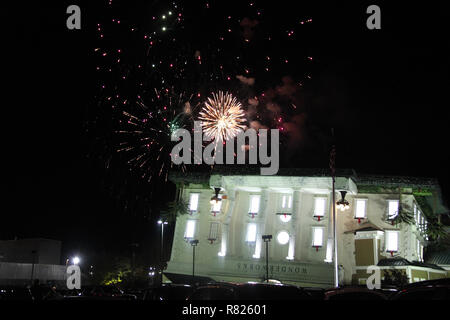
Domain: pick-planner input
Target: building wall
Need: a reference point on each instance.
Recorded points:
(23, 273)
(243, 260)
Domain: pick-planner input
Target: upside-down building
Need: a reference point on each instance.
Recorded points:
(385, 223)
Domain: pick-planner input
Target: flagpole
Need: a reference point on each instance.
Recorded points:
(336, 267)
(333, 177)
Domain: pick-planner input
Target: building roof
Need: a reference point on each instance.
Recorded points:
(366, 226)
(426, 190)
(360, 179)
(398, 262)
(439, 258)
(251, 170)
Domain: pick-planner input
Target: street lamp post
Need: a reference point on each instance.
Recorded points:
(343, 205)
(193, 243)
(267, 238)
(333, 178)
(336, 266)
(162, 223)
(133, 261)
(33, 252)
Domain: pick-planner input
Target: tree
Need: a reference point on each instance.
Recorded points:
(395, 277)
(173, 209)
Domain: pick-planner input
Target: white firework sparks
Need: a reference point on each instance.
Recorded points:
(222, 117)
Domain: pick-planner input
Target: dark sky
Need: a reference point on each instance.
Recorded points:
(384, 92)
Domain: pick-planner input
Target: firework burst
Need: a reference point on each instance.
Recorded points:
(146, 134)
(222, 117)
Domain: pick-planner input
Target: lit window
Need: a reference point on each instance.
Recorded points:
(317, 237)
(319, 207)
(286, 201)
(251, 232)
(329, 254)
(217, 205)
(419, 249)
(360, 209)
(392, 241)
(190, 229)
(415, 213)
(213, 231)
(193, 202)
(283, 237)
(419, 214)
(392, 209)
(254, 204)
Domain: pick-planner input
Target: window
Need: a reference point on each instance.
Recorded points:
(213, 231)
(329, 254)
(254, 205)
(286, 201)
(319, 207)
(415, 213)
(421, 223)
(317, 237)
(190, 229)
(193, 202)
(285, 207)
(419, 249)
(283, 237)
(360, 209)
(392, 209)
(217, 205)
(391, 241)
(251, 232)
(419, 216)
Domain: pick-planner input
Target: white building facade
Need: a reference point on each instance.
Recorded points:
(297, 211)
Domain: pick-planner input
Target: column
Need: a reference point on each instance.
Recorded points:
(226, 222)
(261, 220)
(330, 240)
(294, 219)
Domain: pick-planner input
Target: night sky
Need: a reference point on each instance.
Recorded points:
(385, 93)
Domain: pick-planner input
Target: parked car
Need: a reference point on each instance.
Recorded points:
(70, 293)
(249, 291)
(103, 293)
(316, 293)
(169, 292)
(353, 293)
(9, 293)
(438, 289)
